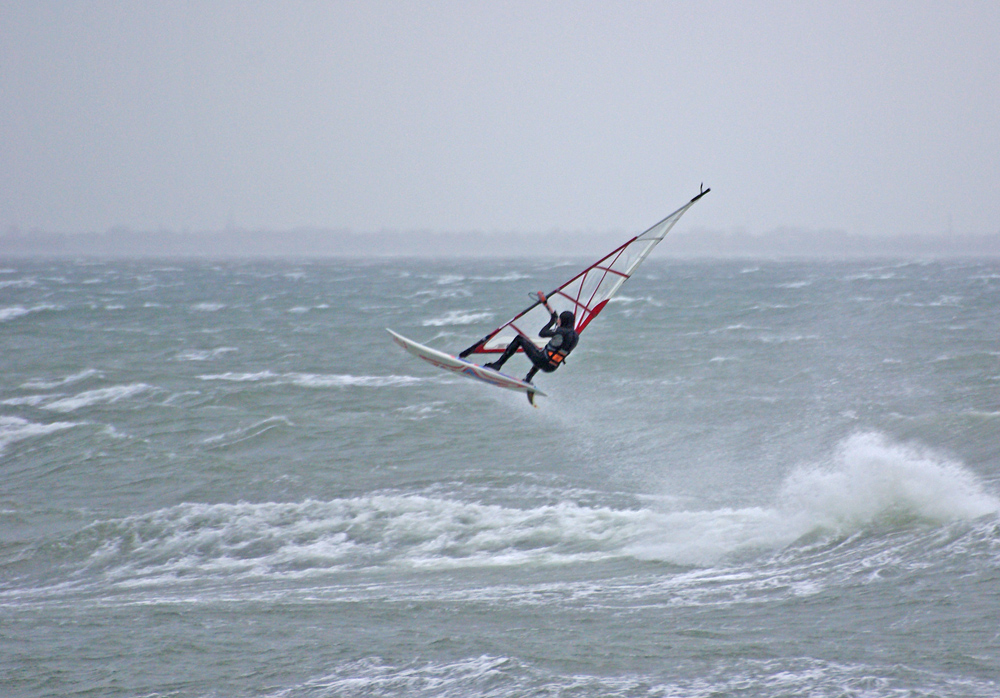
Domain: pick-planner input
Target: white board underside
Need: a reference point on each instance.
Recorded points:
(462, 367)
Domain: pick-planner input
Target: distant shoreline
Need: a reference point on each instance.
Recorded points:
(309, 243)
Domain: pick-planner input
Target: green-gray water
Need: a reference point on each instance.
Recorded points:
(753, 479)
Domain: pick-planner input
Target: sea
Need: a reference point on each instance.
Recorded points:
(221, 478)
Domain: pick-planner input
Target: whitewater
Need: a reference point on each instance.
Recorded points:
(752, 478)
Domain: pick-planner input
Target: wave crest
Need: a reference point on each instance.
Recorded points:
(872, 480)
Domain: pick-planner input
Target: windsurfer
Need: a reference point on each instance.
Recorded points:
(563, 339)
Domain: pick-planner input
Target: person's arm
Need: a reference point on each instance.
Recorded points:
(547, 331)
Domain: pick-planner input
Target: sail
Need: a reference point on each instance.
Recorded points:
(585, 294)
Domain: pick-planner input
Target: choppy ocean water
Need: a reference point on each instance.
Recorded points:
(751, 478)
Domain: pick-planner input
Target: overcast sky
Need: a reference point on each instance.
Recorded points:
(867, 117)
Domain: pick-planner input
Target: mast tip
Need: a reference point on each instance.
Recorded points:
(701, 193)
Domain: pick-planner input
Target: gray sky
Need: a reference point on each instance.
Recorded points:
(867, 117)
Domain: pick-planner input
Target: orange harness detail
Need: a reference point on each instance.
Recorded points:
(556, 357)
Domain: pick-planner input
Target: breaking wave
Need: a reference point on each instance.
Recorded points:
(41, 384)
(94, 397)
(870, 484)
(13, 312)
(62, 403)
(871, 479)
(13, 429)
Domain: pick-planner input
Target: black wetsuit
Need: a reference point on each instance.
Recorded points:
(563, 341)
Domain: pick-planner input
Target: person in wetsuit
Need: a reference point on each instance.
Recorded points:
(563, 341)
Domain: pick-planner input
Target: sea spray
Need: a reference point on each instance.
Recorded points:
(871, 480)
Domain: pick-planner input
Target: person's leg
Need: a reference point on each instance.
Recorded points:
(539, 361)
(508, 352)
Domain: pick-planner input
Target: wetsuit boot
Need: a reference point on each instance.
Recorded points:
(508, 352)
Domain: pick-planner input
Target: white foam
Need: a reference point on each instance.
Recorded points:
(509, 276)
(371, 677)
(458, 317)
(423, 411)
(312, 380)
(15, 311)
(244, 433)
(787, 339)
(869, 482)
(702, 538)
(203, 354)
(198, 541)
(240, 377)
(29, 400)
(871, 479)
(40, 384)
(489, 675)
(13, 429)
(453, 292)
(208, 307)
(417, 532)
(99, 396)
(628, 300)
(19, 283)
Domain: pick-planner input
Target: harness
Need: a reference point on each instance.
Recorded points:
(556, 356)
(557, 350)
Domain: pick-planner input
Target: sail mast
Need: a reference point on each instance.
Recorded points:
(585, 294)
